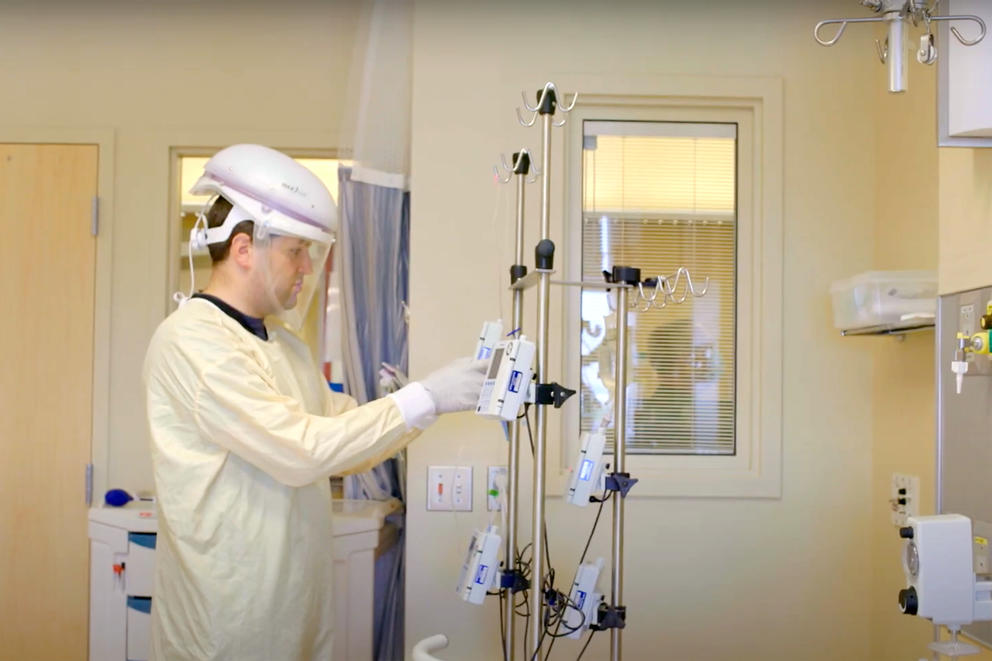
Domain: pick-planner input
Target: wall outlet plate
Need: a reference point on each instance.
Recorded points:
(981, 555)
(904, 498)
(440, 483)
(495, 473)
(461, 489)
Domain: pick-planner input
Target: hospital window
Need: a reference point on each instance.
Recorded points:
(657, 196)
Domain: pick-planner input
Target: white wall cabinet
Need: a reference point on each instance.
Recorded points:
(122, 571)
(964, 81)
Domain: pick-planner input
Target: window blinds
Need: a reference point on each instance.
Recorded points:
(657, 196)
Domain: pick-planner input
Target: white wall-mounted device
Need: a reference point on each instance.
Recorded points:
(507, 381)
(939, 566)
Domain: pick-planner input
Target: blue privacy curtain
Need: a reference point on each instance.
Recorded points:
(374, 236)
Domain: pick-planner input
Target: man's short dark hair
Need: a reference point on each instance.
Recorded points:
(215, 218)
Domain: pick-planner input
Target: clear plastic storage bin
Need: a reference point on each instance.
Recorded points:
(879, 298)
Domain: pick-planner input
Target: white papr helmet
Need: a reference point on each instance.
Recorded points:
(282, 198)
(271, 189)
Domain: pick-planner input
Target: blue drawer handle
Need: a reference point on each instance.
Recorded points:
(146, 539)
(140, 604)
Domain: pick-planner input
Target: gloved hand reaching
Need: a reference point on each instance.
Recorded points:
(456, 386)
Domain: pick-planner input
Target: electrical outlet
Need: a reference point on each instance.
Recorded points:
(904, 498)
(494, 489)
(440, 482)
(981, 555)
(461, 489)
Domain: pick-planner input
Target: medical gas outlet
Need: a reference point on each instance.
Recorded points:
(976, 343)
(971, 343)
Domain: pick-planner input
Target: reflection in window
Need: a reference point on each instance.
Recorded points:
(659, 195)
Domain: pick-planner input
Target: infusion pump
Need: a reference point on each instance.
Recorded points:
(510, 371)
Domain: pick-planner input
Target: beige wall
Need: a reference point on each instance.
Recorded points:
(904, 399)
(965, 204)
(705, 579)
(155, 76)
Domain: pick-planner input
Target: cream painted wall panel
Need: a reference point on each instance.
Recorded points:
(744, 579)
(252, 64)
(161, 75)
(965, 177)
(904, 394)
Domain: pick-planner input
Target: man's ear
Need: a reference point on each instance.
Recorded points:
(241, 250)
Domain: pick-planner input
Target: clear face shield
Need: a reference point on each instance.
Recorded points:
(289, 265)
(294, 217)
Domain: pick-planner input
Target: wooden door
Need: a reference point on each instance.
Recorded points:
(47, 256)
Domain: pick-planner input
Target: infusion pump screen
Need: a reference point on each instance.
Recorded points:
(494, 365)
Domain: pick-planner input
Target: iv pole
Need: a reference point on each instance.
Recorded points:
(664, 291)
(521, 166)
(619, 461)
(544, 256)
(544, 253)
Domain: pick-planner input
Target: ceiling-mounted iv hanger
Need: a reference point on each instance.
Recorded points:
(898, 14)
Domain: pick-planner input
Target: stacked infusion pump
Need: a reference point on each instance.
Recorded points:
(507, 387)
(504, 392)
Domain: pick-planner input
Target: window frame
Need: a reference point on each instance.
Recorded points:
(755, 105)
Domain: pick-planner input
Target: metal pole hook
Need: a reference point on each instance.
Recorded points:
(499, 176)
(837, 35)
(540, 99)
(843, 24)
(568, 108)
(883, 51)
(957, 34)
(523, 122)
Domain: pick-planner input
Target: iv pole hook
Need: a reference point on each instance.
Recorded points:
(843, 24)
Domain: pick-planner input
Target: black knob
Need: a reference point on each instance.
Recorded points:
(521, 162)
(626, 274)
(908, 603)
(906, 532)
(544, 255)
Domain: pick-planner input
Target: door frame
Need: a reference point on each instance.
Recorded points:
(167, 142)
(105, 141)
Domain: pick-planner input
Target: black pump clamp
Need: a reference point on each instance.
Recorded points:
(551, 393)
(609, 617)
(621, 482)
(513, 580)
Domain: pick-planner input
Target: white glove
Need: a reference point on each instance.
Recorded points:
(456, 386)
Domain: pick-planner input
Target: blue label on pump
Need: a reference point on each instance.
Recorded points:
(580, 598)
(480, 576)
(515, 381)
(485, 352)
(585, 471)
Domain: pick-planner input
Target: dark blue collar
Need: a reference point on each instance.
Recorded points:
(253, 325)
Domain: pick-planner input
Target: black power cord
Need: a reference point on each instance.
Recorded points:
(557, 601)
